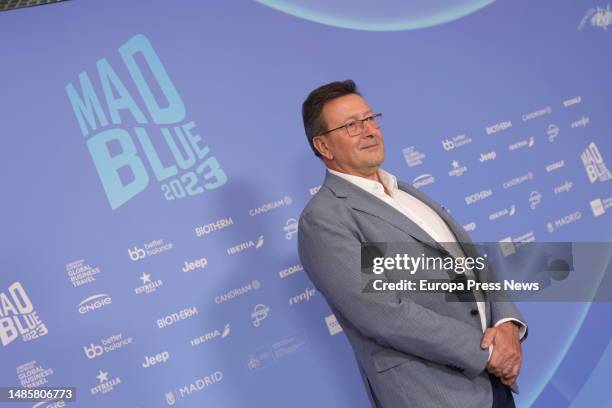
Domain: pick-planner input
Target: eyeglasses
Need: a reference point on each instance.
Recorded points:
(356, 127)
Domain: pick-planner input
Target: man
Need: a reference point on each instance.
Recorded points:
(410, 353)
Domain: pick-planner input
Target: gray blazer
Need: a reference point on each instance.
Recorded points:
(411, 352)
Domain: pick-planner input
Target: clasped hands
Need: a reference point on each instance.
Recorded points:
(505, 361)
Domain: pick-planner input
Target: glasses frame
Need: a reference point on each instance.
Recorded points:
(376, 117)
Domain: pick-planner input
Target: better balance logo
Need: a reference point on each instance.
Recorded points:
(18, 316)
(106, 345)
(119, 131)
(154, 247)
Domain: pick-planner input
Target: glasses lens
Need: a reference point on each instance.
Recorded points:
(377, 119)
(354, 128)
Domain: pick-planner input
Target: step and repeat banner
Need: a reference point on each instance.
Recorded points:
(154, 167)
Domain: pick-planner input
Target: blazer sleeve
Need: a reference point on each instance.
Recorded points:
(331, 255)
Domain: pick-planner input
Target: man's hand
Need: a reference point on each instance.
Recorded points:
(505, 361)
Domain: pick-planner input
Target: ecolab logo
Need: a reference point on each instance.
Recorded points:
(94, 302)
(211, 335)
(481, 195)
(302, 297)
(290, 271)
(314, 190)
(572, 101)
(498, 127)
(555, 166)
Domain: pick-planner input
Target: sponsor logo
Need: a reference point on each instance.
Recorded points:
(582, 122)
(502, 213)
(119, 131)
(457, 170)
(481, 195)
(518, 180)
(314, 190)
(332, 325)
(156, 359)
(599, 206)
(563, 221)
(32, 374)
(552, 132)
(276, 351)
(302, 297)
(412, 156)
(594, 164)
(522, 143)
(81, 273)
(176, 317)
(147, 286)
(259, 313)
(290, 270)
(211, 335)
(455, 142)
(94, 302)
(509, 245)
(254, 285)
(563, 188)
(423, 180)
(105, 384)
(535, 198)
(18, 316)
(470, 226)
(597, 17)
(106, 345)
(537, 113)
(214, 226)
(195, 264)
(154, 247)
(264, 208)
(498, 127)
(487, 156)
(50, 404)
(572, 101)
(196, 385)
(246, 245)
(555, 166)
(290, 228)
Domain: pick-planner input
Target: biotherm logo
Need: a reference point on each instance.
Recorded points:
(136, 144)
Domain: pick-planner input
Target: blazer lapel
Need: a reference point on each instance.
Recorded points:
(363, 201)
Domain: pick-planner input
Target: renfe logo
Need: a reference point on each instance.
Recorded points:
(126, 157)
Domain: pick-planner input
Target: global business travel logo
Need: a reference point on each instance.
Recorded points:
(130, 144)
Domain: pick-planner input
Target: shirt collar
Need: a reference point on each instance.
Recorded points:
(389, 181)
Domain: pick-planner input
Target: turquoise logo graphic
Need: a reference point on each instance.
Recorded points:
(132, 145)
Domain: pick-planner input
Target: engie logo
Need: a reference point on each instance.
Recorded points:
(129, 145)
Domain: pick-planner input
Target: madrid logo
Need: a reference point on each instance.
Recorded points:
(132, 143)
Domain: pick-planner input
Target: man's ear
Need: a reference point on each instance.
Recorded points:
(320, 143)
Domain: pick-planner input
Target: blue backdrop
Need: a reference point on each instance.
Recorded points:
(154, 165)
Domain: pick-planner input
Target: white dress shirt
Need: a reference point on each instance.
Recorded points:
(426, 218)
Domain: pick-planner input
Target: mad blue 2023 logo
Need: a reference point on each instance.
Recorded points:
(129, 145)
